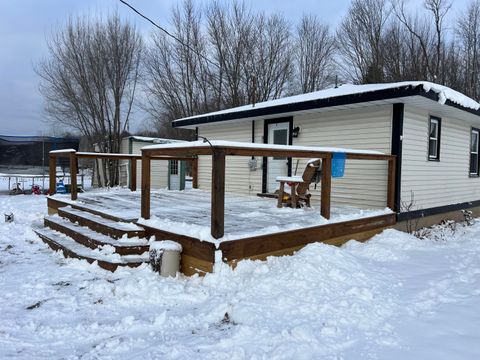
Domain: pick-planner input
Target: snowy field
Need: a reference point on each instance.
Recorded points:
(395, 297)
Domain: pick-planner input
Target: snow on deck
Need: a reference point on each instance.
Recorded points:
(188, 212)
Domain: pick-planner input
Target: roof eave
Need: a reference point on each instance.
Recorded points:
(320, 103)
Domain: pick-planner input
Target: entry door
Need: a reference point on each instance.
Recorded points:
(174, 175)
(278, 133)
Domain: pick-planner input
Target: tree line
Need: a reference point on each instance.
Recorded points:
(226, 55)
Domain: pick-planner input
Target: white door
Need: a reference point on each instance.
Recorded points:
(278, 133)
(174, 174)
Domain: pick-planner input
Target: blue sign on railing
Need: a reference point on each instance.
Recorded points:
(338, 164)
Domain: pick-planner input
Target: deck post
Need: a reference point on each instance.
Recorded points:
(73, 176)
(218, 194)
(391, 184)
(326, 187)
(145, 197)
(133, 174)
(195, 172)
(52, 175)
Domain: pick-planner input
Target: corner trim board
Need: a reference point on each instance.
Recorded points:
(397, 135)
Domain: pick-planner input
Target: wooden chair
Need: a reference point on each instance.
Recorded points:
(299, 186)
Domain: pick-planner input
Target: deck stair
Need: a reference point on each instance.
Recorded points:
(84, 235)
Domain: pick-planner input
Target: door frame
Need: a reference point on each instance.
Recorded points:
(181, 174)
(267, 122)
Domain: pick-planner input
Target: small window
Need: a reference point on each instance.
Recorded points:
(280, 137)
(434, 138)
(474, 152)
(173, 167)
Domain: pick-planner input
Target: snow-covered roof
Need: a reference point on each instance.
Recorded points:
(444, 94)
(244, 145)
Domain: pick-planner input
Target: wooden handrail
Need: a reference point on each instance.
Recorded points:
(219, 154)
(258, 151)
(72, 154)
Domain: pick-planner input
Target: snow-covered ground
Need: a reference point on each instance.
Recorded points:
(394, 297)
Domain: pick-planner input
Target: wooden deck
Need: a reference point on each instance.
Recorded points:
(254, 227)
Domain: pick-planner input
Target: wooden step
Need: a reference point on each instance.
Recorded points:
(72, 249)
(114, 229)
(93, 239)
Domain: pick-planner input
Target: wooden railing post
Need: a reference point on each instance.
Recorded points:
(391, 185)
(195, 172)
(326, 187)
(218, 194)
(145, 198)
(133, 174)
(52, 175)
(73, 176)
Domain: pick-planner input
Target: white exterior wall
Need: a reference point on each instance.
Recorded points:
(436, 183)
(159, 168)
(365, 182)
(238, 178)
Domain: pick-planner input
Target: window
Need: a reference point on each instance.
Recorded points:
(280, 137)
(434, 138)
(474, 152)
(173, 167)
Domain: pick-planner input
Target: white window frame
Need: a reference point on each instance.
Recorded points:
(476, 131)
(174, 167)
(435, 138)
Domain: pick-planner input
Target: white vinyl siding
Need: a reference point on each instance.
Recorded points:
(159, 168)
(238, 177)
(365, 182)
(436, 183)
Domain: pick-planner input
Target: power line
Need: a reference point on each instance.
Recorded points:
(168, 33)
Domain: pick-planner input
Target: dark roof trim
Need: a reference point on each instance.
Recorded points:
(321, 103)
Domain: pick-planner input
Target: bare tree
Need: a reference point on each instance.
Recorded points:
(230, 32)
(403, 57)
(224, 57)
(360, 37)
(314, 50)
(178, 74)
(267, 64)
(89, 81)
(432, 43)
(468, 36)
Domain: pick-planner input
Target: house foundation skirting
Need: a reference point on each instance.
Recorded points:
(432, 216)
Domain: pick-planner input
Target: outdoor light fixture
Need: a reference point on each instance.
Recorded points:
(295, 131)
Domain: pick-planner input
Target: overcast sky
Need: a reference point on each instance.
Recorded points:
(25, 24)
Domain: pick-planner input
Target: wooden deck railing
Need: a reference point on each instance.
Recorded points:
(73, 155)
(219, 154)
